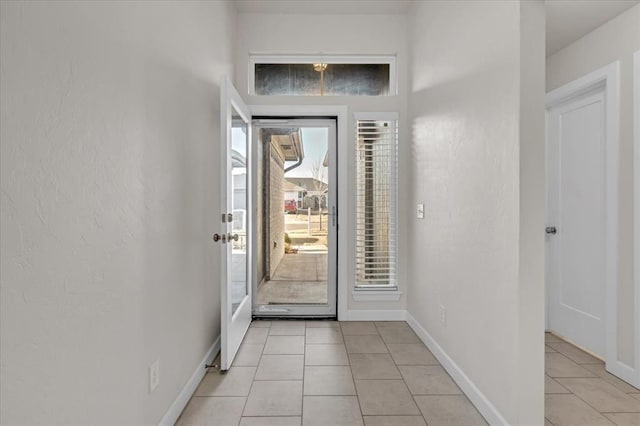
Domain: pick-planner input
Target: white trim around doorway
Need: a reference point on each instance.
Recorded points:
(341, 112)
(609, 78)
(636, 209)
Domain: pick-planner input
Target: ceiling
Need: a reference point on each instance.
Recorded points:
(567, 20)
(326, 7)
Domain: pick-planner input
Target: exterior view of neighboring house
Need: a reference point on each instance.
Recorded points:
(294, 192)
(312, 192)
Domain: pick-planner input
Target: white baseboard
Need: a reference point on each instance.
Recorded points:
(484, 406)
(181, 401)
(624, 372)
(375, 315)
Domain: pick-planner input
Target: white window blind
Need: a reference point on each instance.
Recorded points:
(376, 187)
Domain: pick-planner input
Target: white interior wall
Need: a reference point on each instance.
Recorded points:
(616, 40)
(120, 185)
(336, 34)
(531, 288)
(109, 130)
(469, 111)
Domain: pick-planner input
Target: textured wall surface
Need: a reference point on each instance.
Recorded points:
(616, 40)
(465, 166)
(109, 132)
(531, 262)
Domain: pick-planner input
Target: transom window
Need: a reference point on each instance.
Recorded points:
(322, 76)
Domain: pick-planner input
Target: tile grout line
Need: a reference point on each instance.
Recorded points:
(577, 396)
(597, 361)
(586, 402)
(353, 377)
(403, 381)
(598, 377)
(253, 380)
(572, 377)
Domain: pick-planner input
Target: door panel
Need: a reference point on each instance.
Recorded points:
(576, 206)
(297, 216)
(234, 236)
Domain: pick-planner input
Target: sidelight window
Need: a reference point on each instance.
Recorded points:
(376, 192)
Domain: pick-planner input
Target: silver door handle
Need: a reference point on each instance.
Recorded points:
(233, 237)
(551, 230)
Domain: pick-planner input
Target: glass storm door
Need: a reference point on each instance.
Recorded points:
(295, 217)
(236, 204)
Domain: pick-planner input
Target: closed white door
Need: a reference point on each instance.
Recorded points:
(576, 220)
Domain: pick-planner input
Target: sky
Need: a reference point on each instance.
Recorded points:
(314, 143)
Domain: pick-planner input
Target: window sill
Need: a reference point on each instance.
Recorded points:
(365, 295)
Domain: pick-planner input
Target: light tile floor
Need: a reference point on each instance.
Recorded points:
(366, 373)
(578, 390)
(331, 373)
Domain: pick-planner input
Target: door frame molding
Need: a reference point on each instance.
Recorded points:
(636, 209)
(341, 112)
(609, 78)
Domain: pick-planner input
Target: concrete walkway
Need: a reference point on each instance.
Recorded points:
(300, 278)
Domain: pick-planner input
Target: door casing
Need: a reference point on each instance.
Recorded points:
(608, 77)
(341, 114)
(300, 310)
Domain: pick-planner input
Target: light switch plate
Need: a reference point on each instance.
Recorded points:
(420, 211)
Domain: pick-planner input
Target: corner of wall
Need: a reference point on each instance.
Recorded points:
(455, 111)
(531, 281)
(491, 414)
(173, 413)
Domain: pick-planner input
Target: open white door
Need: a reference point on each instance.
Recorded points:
(236, 202)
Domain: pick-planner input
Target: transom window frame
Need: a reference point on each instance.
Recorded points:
(325, 59)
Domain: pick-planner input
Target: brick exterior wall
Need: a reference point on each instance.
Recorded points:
(276, 209)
